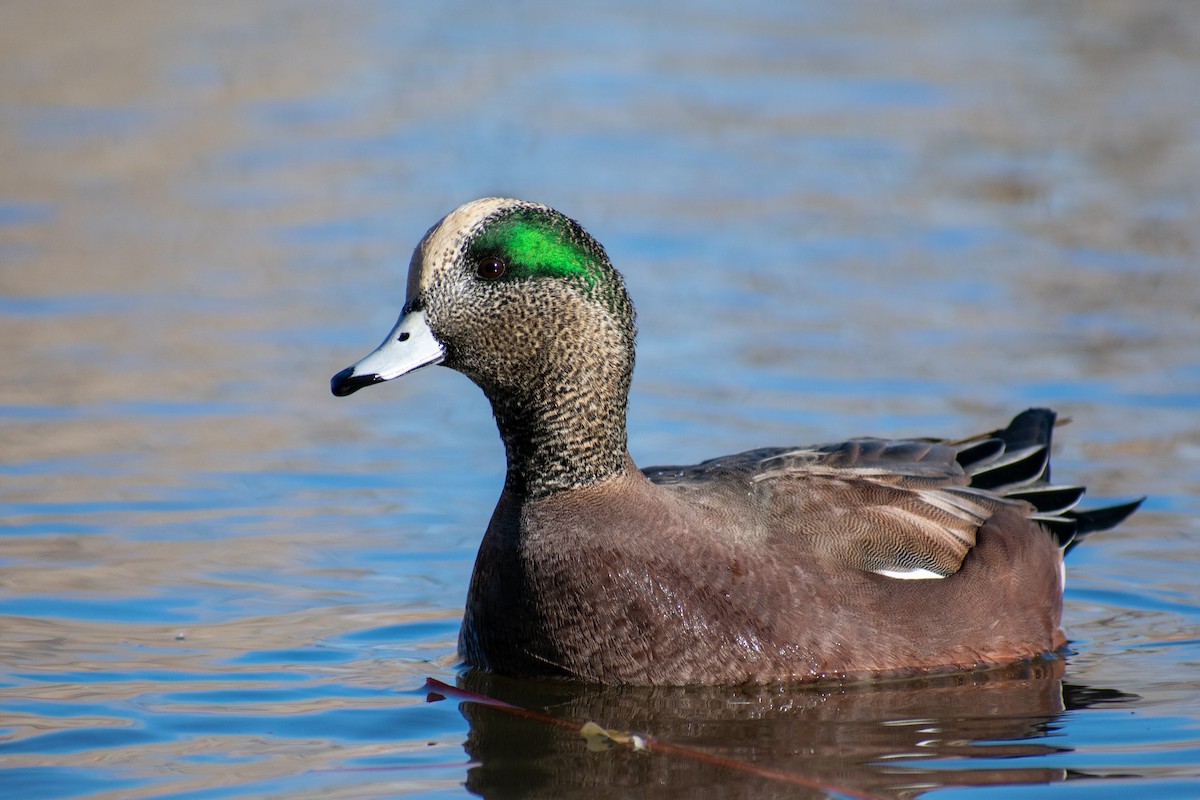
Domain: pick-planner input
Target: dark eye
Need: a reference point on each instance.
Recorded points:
(490, 268)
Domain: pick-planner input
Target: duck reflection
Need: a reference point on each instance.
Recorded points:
(894, 739)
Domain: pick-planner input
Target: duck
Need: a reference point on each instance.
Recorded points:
(865, 559)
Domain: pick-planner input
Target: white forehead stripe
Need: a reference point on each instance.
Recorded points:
(445, 242)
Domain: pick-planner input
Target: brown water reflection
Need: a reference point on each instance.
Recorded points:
(854, 738)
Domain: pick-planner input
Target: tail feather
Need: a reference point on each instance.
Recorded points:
(1016, 469)
(978, 453)
(1053, 500)
(1101, 519)
(1015, 462)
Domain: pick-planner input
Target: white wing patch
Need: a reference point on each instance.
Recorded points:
(909, 574)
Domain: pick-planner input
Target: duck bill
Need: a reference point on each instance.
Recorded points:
(410, 346)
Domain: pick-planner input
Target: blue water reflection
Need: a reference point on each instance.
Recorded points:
(836, 219)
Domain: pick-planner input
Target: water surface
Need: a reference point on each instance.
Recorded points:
(216, 580)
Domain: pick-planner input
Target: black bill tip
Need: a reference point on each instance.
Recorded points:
(346, 382)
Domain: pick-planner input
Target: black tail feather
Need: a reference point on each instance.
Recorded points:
(1018, 468)
(1061, 528)
(1100, 519)
(1053, 500)
(1015, 462)
(976, 454)
(1029, 428)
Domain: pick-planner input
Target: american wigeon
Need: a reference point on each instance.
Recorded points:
(859, 558)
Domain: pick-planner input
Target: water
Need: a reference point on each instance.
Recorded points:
(217, 581)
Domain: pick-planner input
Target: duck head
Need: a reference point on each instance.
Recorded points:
(526, 304)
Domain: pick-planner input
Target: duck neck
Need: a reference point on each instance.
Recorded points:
(564, 432)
